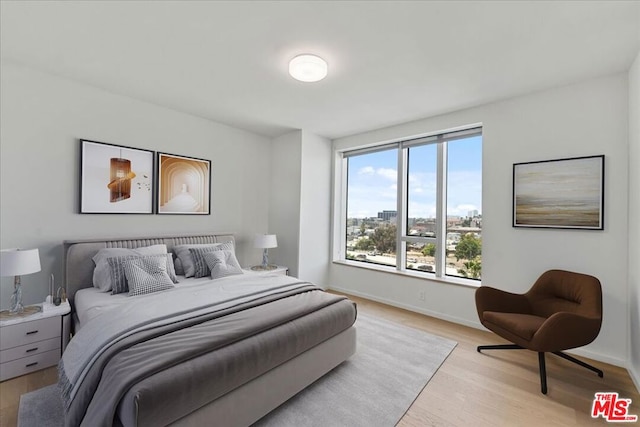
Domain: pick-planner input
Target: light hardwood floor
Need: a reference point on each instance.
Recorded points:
(496, 388)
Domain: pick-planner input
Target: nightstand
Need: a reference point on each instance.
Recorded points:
(279, 270)
(33, 342)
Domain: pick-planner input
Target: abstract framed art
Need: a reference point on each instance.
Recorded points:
(563, 193)
(184, 185)
(115, 179)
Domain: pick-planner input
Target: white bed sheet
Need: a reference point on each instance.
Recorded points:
(90, 302)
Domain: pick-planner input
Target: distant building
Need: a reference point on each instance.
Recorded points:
(453, 221)
(387, 215)
(473, 213)
(422, 227)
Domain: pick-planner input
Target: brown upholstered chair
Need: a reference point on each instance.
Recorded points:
(562, 310)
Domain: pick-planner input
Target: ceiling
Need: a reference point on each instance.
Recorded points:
(389, 62)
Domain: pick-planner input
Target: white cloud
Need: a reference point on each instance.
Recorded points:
(387, 173)
(374, 189)
(367, 170)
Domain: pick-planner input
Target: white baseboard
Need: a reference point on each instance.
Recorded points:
(437, 315)
(598, 356)
(635, 377)
(477, 325)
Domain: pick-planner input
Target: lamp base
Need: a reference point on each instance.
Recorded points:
(26, 311)
(264, 268)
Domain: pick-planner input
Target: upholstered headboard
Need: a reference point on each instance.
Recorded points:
(78, 254)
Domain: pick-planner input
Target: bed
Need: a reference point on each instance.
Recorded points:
(225, 351)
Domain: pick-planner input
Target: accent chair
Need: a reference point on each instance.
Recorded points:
(562, 310)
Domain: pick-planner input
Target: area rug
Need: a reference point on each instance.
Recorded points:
(375, 387)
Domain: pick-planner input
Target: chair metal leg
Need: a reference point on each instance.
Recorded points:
(499, 347)
(542, 362)
(579, 362)
(543, 373)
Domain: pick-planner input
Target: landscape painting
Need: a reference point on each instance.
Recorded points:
(564, 193)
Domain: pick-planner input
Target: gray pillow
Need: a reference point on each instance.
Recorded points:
(118, 275)
(222, 264)
(201, 269)
(146, 275)
(186, 260)
(102, 272)
(178, 265)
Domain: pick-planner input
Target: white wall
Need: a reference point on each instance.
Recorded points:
(284, 206)
(589, 118)
(634, 221)
(300, 211)
(42, 118)
(315, 209)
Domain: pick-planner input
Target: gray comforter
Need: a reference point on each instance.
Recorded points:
(143, 338)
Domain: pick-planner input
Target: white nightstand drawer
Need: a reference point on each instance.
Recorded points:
(29, 364)
(29, 332)
(29, 349)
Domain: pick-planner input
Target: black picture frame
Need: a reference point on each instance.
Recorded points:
(562, 193)
(115, 179)
(183, 185)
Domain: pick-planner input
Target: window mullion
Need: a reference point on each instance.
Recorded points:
(441, 210)
(401, 216)
(344, 200)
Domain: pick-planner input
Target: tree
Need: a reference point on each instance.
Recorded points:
(468, 247)
(429, 249)
(362, 228)
(472, 268)
(384, 238)
(364, 244)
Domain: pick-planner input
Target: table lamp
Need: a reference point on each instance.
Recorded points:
(16, 262)
(265, 241)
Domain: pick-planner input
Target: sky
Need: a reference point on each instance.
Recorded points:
(372, 181)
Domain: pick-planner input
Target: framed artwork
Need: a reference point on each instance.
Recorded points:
(115, 179)
(563, 193)
(184, 185)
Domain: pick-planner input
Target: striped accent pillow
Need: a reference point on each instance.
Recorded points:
(147, 275)
(119, 278)
(201, 267)
(184, 257)
(102, 272)
(222, 264)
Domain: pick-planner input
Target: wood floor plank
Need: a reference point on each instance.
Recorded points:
(493, 388)
(502, 388)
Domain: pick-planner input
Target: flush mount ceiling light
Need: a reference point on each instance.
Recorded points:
(308, 68)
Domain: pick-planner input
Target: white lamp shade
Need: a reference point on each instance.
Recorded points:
(15, 262)
(308, 68)
(265, 241)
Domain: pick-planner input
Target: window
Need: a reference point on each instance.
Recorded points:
(372, 196)
(415, 205)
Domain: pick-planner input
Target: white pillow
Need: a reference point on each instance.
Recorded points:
(102, 272)
(222, 264)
